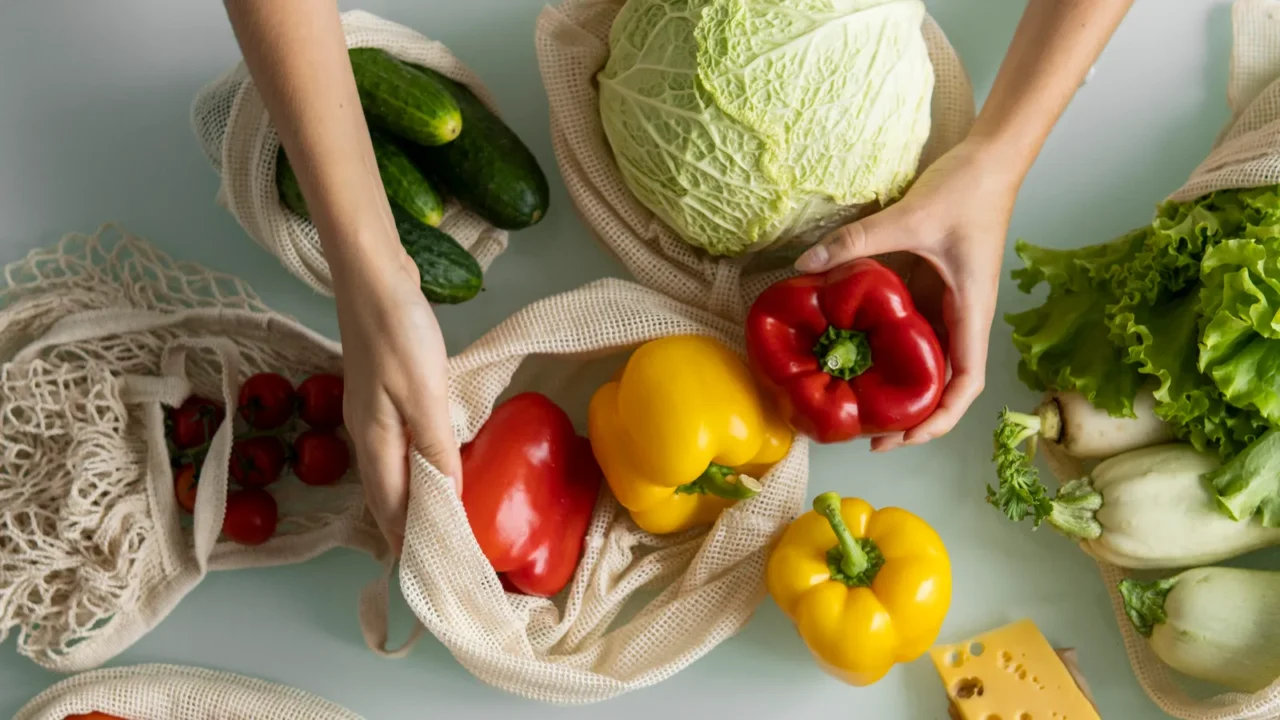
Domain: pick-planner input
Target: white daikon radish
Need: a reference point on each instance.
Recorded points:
(1084, 431)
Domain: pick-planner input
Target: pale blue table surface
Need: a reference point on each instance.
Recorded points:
(94, 102)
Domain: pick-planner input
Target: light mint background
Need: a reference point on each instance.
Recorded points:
(94, 127)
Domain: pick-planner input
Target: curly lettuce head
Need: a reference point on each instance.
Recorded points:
(742, 123)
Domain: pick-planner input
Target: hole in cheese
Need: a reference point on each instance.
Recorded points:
(968, 687)
(976, 649)
(954, 659)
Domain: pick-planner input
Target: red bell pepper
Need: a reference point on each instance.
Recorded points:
(530, 484)
(846, 353)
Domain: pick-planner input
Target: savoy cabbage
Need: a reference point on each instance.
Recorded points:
(742, 123)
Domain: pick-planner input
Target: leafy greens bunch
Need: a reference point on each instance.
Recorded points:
(1188, 306)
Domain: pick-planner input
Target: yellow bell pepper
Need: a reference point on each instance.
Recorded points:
(866, 588)
(683, 432)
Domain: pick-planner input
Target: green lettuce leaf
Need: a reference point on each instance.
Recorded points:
(1241, 306)
(1064, 343)
(1249, 484)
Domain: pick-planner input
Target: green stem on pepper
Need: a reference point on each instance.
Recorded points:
(853, 561)
(724, 482)
(844, 354)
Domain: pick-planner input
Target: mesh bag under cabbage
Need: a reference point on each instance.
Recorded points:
(237, 137)
(169, 692)
(640, 607)
(97, 337)
(1247, 154)
(573, 46)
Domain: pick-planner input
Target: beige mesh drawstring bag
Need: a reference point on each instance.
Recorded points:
(641, 607)
(573, 46)
(1247, 154)
(169, 692)
(237, 137)
(98, 336)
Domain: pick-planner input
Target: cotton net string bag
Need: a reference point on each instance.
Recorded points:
(640, 607)
(236, 135)
(170, 692)
(99, 336)
(573, 47)
(1246, 154)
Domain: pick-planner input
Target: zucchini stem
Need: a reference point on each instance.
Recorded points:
(1074, 510)
(1144, 602)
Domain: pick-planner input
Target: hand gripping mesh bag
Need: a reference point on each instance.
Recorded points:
(640, 607)
(236, 135)
(573, 46)
(1246, 154)
(99, 336)
(168, 692)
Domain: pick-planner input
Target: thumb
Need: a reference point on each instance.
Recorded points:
(878, 234)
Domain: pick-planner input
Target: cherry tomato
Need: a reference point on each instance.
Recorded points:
(320, 458)
(257, 461)
(184, 487)
(266, 400)
(93, 716)
(251, 516)
(320, 401)
(195, 421)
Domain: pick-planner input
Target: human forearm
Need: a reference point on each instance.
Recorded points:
(297, 56)
(1056, 43)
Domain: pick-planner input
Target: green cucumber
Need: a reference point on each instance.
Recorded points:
(405, 184)
(486, 168)
(406, 103)
(449, 273)
(401, 180)
(288, 187)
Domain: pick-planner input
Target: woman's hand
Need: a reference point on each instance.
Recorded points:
(397, 384)
(397, 387)
(954, 219)
(956, 215)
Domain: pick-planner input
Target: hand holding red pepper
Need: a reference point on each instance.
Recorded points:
(846, 353)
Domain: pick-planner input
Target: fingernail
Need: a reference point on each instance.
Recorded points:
(814, 259)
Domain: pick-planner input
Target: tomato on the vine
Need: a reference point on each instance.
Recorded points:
(251, 516)
(257, 461)
(267, 400)
(320, 401)
(184, 487)
(195, 421)
(320, 458)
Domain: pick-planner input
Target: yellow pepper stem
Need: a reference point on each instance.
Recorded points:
(853, 561)
(724, 482)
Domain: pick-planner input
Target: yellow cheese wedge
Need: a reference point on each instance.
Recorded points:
(1011, 673)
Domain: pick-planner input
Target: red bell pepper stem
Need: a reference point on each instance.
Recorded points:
(724, 482)
(845, 354)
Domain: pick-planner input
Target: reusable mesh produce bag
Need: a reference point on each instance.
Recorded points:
(237, 137)
(1247, 154)
(169, 692)
(97, 337)
(573, 46)
(689, 591)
